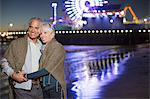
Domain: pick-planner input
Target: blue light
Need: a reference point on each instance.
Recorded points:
(88, 85)
(82, 7)
(111, 20)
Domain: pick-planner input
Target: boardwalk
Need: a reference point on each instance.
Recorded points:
(103, 72)
(134, 82)
(124, 78)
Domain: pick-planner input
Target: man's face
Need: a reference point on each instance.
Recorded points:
(34, 29)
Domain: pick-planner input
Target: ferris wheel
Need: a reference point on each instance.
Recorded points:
(76, 8)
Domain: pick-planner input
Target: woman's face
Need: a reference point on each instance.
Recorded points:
(46, 35)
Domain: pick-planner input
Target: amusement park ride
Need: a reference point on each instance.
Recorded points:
(135, 18)
(77, 9)
(107, 23)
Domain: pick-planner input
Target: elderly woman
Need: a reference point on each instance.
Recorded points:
(53, 55)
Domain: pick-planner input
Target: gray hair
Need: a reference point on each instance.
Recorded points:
(48, 27)
(34, 18)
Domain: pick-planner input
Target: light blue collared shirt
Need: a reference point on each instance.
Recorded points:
(31, 64)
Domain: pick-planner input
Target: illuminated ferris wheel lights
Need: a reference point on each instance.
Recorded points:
(72, 0)
(69, 9)
(75, 8)
(109, 13)
(73, 18)
(101, 5)
(67, 5)
(69, 12)
(71, 15)
(66, 2)
(76, 20)
(73, 3)
(105, 2)
(75, 11)
(77, 17)
(78, 14)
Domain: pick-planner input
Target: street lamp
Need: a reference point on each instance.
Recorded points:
(10, 26)
(54, 5)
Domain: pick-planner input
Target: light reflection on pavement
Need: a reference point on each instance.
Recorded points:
(87, 70)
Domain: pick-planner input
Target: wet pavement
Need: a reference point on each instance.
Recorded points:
(102, 72)
(134, 81)
(117, 73)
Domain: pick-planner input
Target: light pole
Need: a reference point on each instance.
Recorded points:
(54, 5)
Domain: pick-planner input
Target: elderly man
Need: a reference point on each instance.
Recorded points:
(21, 57)
(53, 55)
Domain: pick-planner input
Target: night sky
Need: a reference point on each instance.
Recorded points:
(19, 12)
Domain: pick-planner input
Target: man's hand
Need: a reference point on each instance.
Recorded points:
(19, 76)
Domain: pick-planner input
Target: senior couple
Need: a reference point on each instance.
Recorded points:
(36, 50)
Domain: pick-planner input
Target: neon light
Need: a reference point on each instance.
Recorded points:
(81, 7)
(54, 5)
